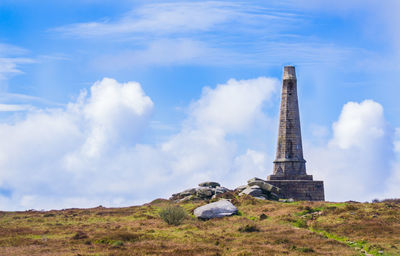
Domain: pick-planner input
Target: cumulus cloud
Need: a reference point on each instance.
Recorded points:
(231, 107)
(359, 124)
(88, 153)
(114, 113)
(357, 162)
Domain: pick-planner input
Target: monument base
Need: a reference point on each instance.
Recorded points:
(301, 190)
(289, 177)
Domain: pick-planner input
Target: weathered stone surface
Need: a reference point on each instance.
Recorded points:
(307, 190)
(204, 192)
(210, 184)
(255, 191)
(200, 193)
(185, 199)
(218, 209)
(289, 172)
(254, 179)
(221, 190)
(241, 188)
(188, 192)
(289, 154)
(263, 185)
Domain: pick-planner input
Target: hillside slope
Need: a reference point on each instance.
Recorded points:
(298, 228)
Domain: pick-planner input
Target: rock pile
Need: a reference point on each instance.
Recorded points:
(219, 209)
(260, 189)
(205, 191)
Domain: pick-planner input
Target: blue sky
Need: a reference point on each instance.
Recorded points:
(203, 77)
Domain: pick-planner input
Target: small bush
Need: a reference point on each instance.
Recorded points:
(350, 207)
(79, 235)
(301, 249)
(392, 200)
(282, 241)
(263, 216)
(308, 210)
(305, 249)
(126, 237)
(117, 244)
(249, 228)
(300, 223)
(173, 215)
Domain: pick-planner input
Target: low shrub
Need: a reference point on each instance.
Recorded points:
(300, 223)
(305, 249)
(126, 237)
(350, 207)
(263, 216)
(249, 228)
(282, 241)
(117, 244)
(173, 215)
(80, 235)
(301, 249)
(308, 210)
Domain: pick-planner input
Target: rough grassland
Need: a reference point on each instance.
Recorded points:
(299, 228)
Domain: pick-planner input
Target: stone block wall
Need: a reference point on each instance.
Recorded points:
(303, 190)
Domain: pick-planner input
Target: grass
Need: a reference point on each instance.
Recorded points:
(299, 228)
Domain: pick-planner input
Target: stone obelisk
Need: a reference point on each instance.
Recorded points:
(289, 171)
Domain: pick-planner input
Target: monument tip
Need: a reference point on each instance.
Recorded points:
(289, 72)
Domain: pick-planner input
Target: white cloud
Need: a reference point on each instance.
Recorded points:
(359, 124)
(14, 107)
(232, 106)
(356, 163)
(87, 154)
(157, 52)
(379, 18)
(179, 17)
(397, 141)
(202, 33)
(10, 60)
(114, 112)
(157, 18)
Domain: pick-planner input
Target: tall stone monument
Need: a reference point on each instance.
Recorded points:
(289, 172)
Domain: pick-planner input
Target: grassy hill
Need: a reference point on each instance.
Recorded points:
(298, 228)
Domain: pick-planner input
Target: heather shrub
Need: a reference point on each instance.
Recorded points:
(249, 228)
(173, 215)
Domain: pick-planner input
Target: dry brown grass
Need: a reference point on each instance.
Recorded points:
(139, 230)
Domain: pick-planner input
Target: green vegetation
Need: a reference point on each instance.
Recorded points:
(173, 215)
(262, 228)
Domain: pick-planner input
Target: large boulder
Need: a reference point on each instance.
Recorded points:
(260, 189)
(205, 191)
(187, 192)
(240, 188)
(264, 185)
(218, 209)
(210, 184)
(254, 191)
